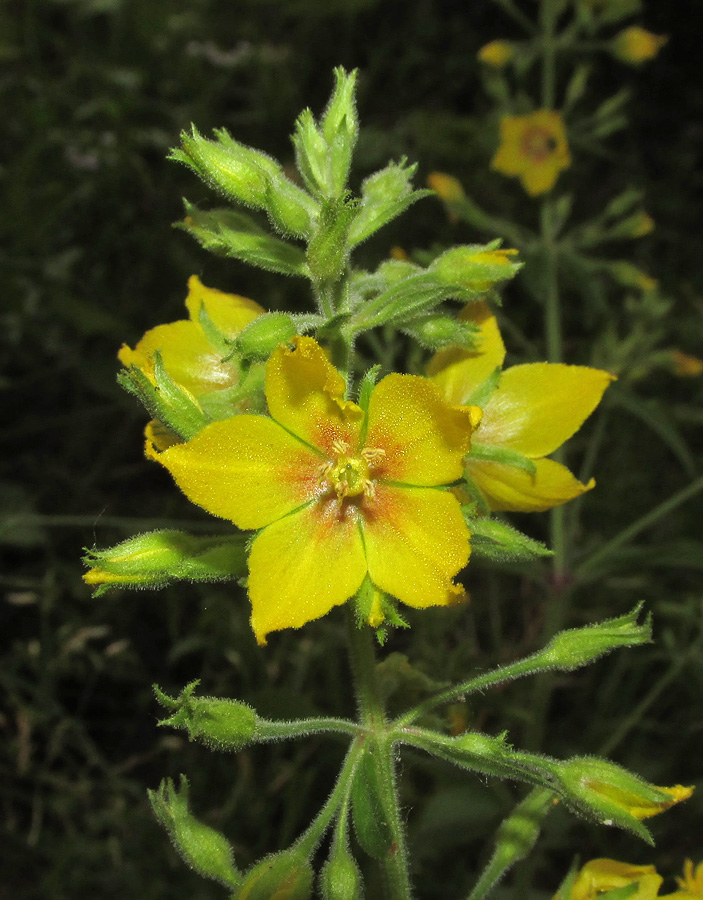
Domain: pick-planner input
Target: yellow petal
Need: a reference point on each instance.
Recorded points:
(540, 405)
(509, 488)
(678, 793)
(159, 438)
(538, 179)
(422, 437)
(601, 875)
(305, 393)
(416, 541)
(187, 355)
(246, 469)
(458, 373)
(303, 565)
(229, 313)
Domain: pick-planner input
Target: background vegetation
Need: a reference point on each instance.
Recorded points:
(94, 93)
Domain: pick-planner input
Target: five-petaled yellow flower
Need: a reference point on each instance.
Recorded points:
(533, 148)
(691, 885)
(336, 492)
(533, 409)
(601, 875)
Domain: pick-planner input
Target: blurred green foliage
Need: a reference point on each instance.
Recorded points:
(94, 93)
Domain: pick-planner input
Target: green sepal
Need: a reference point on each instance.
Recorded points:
(433, 331)
(371, 820)
(384, 196)
(201, 847)
(218, 723)
(490, 453)
(173, 408)
(402, 302)
(493, 539)
(236, 235)
(328, 248)
(158, 558)
(486, 389)
(287, 875)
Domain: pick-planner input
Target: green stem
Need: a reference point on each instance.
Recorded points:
(275, 731)
(374, 721)
(549, 46)
(627, 534)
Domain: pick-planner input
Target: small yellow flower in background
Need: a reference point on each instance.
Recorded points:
(601, 875)
(532, 411)
(188, 356)
(399, 253)
(636, 45)
(685, 365)
(337, 493)
(534, 149)
(496, 53)
(691, 884)
(447, 187)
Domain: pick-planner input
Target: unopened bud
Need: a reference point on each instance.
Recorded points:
(579, 646)
(636, 45)
(340, 878)
(281, 876)
(475, 267)
(261, 337)
(435, 331)
(496, 54)
(220, 723)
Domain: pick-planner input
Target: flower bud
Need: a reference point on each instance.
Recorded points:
(636, 45)
(447, 187)
(219, 723)
(328, 249)
(496, 54)
(685, 365)
(614, 796)
(154, 559)
(384, 195)
(290, 208)
(475, 267)
(261, 337)
(281, 876)
(201, 847)
(340, 878)
(630, 276)
(435, 331)
(580, 646)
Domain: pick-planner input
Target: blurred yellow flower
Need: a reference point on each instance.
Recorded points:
(188, 355)
(496, 53)
(529, 412)
(534, 149)
(447, 187)
(691, 884)
(685, 365)
(636, 45)
(334, 491)
(601, 875)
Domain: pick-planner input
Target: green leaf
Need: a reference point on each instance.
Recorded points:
(371, 821)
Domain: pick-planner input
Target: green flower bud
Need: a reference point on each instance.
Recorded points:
(290, 208)
(159, 557)
(475, 267)
(202, 848)
(630, 276)
(228, 166)
(262, 335)
(384, 195)
(281, 876)
(614, 796)
(435, 331)
(220, 723)
(328, 250)
(340, 878)
(580, 646)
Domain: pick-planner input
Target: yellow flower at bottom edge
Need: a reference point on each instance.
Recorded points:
(533, 148)
(601, 875)
(691, 884)
(337, 493)
(187, 354)
(532, 411)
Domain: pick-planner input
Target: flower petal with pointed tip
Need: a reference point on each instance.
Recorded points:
(507, 488)
(229, 313)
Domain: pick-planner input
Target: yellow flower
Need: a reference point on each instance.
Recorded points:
(496, 53)
(601, 875)
(533, 148)
(532, 411)
(691, 884)
(189, 357)
(685, 365)
(335, 492)
(636, 45)
(447, 187)
(634, 803)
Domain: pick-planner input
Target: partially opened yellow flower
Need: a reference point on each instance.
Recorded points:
(337, 492)
(601, 875)
(528, 412)
(533, 148)
(188, 355)
(691, 885)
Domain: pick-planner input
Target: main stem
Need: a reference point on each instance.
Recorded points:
(374, 721)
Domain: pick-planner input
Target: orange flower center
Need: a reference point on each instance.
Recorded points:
(349, 475)
(537, 144)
